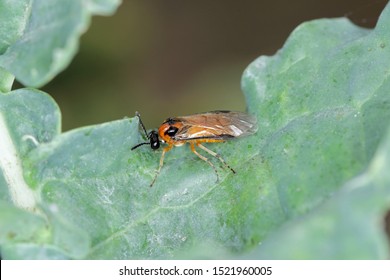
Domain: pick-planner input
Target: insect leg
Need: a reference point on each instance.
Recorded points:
(166, 149)
(215, 155)
(204, 158)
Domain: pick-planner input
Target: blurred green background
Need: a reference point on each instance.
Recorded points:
(177, 57)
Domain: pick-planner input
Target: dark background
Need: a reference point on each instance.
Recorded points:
(177, 57)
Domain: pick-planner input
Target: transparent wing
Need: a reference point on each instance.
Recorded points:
(216, 125)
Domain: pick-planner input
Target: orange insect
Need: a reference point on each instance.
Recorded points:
(215, 126)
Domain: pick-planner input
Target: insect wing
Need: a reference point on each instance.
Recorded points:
(216, 125)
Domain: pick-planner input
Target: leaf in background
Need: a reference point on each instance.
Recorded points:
(28, 118)
(324, 103)
(102, 7)
(13, 19)
(24, 235)
(323, 106)
(49, 39)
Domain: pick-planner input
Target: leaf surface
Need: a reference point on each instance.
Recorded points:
(323, 107)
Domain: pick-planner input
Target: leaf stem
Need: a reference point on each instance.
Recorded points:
(11, 166)
(6, 80)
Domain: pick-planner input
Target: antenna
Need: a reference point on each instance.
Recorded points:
(141, 123)
(154, 142)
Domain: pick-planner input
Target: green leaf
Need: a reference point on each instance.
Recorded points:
(102, 7)
(13, 19)
(44, 35)
(22, 229)
(29, 118)
(323, 106)
(20, 226)
(24, 235)
(6, 80)
(351, 225)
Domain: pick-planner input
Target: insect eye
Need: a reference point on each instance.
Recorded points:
(171, 131)
(154, 141)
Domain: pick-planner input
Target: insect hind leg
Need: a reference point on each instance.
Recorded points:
(214, 154)
(205, 159)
